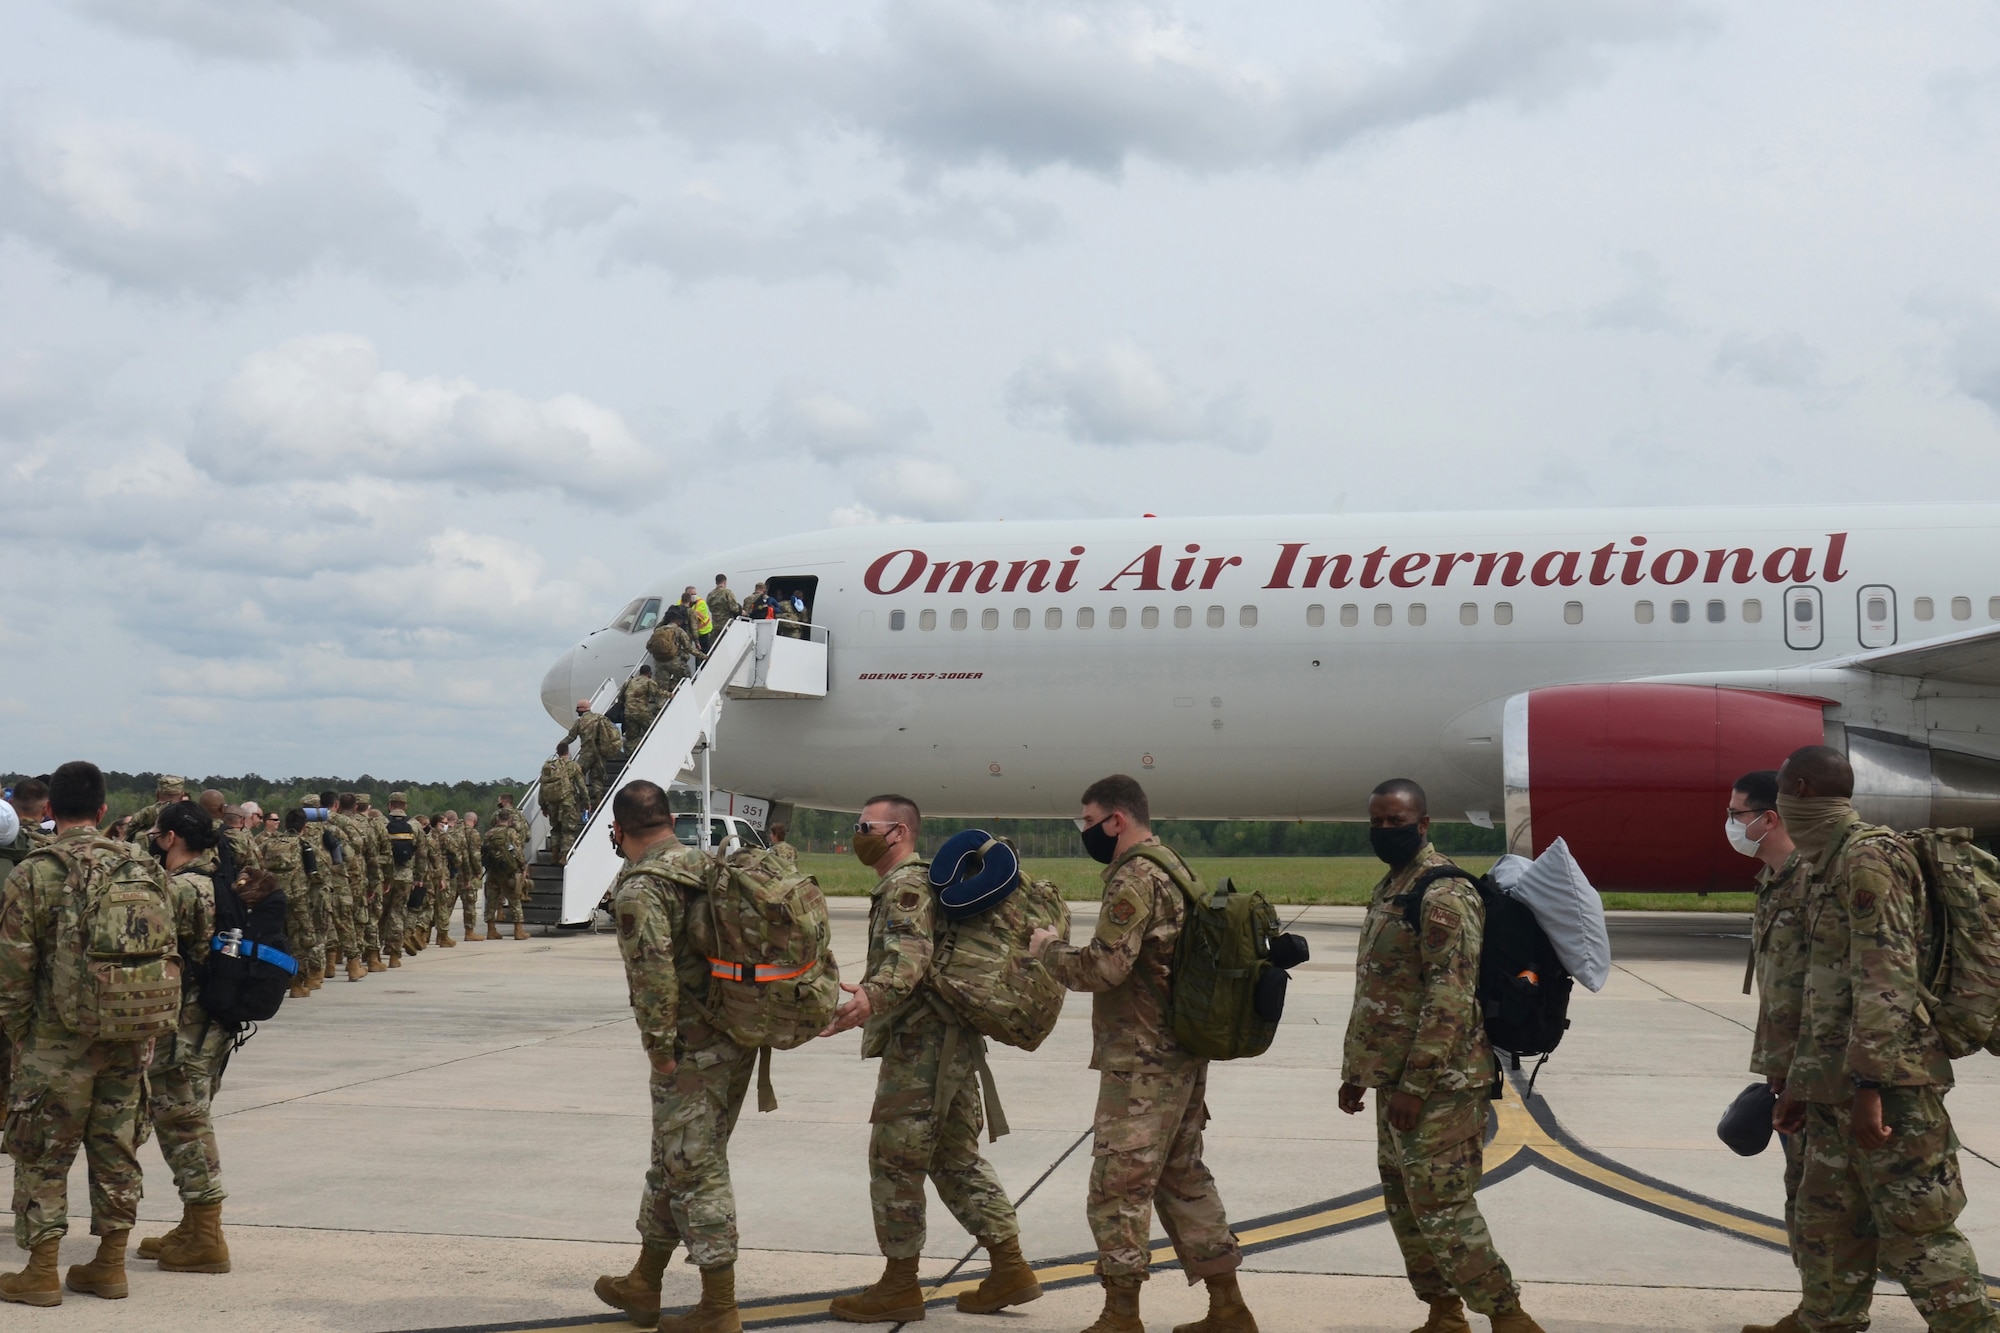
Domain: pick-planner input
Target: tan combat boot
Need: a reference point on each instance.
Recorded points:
(471, 934)
(301, 988)
(1789, 1324)
(638, 1292)
(894, 1299)
(1121, 1307)
(1518, 1322)
(716, 1311)
(445, 941)
(520, 930)
(356, 969)
(394, 959)
(1447, 1316)
(38, 1283)
(318, 978)
(201, 1248)
(149, 1248)
(375, 963)
(1008, 1281)
(1226, 1311)
(105, 1275)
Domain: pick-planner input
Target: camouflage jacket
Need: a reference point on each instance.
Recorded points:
(1415, 1026)
(27, 840)
(1862, 1014)
(902, 923)
(471, 850)
(354, 845)
(670, 644)
(653, 900)
(243, 844)
(193, 894)
(321, 833)
(500, 849)
(1128, 966)
(787, 853)
(449, 849)
(381, 852)
(144, 822)
(283, 855)
(30, 908)
(1778, 962)
(722, 606)
(578, 792)
(596, 737)
(643, 700)
(552, 791)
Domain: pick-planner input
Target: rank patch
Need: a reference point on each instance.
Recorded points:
(909, 900)
(1122, 912)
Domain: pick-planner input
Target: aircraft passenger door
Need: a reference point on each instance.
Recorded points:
(1804, 628)
(1877, 604)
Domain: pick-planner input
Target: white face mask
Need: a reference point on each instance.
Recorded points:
(1738, 838)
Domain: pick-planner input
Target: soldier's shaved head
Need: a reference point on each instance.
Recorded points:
(1409, 790)
(214, 802)
(347, 800)
(640, 807)
(1817, 770)
(582, 706)
(900, 809)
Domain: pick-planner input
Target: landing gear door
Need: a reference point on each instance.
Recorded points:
(1877, 606)
(1805, 629)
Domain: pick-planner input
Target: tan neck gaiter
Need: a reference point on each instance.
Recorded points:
(1812, 821)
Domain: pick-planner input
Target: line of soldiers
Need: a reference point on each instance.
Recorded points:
(1872, 1179)
(1416, 1038)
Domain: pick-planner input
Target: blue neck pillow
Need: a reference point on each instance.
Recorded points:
(973, 873)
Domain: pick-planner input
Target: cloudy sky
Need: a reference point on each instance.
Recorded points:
(358, 354)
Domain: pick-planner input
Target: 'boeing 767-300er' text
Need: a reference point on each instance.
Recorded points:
(1602, 675)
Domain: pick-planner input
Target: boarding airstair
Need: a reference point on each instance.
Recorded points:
(752, 660)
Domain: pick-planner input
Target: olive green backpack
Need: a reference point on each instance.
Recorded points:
(1222, 953)
(1960, 969)
(116, 970)
(984, 971)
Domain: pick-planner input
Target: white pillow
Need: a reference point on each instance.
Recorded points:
(1568, 908)
(10, 823)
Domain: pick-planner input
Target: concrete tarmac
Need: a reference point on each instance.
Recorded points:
(458, 1144)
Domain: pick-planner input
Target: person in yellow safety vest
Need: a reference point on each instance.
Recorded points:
(704, 623)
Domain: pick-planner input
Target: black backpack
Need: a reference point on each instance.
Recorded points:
(249, 967)
(1523, 988)
(402, 839)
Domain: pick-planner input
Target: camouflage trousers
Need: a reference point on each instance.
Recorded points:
(1429, 1178)
(564, 818)
(302, 930)
(366, 900)
(396, 911)
(346, 928)
(1147, 1155)
(465, 888)
(503, 896)
(912, 1138)
(1890, 1211)
(1794, 1146)
(325, 934)
(6, 1084)
(182, 1081)
(70, 1093)
(688, 1198)
(444, 896)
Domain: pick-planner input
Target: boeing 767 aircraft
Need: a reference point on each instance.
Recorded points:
(1602, 675)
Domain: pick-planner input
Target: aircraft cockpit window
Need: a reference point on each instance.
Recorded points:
(1216, 615)
(1468, 613)
(1350, 615)
(896, 620)
(1923, 608)
(1183, 617)
(1642, 612)
(628, 619)
(1503, 613)
(1247, 617)
(989, 618)
(927, 620)
(1385, 614)
(958, 618)
(1753, 611)
(1717, 613)
(1961, 608)
(648, 618)
(1149, 618)
(1315, 615)
(1679, 613)
(1118, 617)
(1085, 617)
(1572, 613)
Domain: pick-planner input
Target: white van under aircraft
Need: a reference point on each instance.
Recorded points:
(1599, 675)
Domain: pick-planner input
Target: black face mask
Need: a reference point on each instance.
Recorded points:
(1397, 846)
(159, 852)
(1099, 845)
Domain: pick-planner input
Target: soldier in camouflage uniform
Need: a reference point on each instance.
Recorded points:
(435, 874)
(31, 804)
(378, 858)
(181, 1077)
(1777, 951)
(504, 852)
(69, 1092)
(167, 790)
(558, 801)
(643, 699)
(673, 649)
(722, 605)
(1881, 1189)
(282, 852)
(1151, 1095)
(1416, 1037)
(363, 892)
(699, 1076)
(927, 1114)
(445, 849)
(399, 872)
(601, 748)
(237, 833)
(471, 865)
(786, 852)
(339, 863)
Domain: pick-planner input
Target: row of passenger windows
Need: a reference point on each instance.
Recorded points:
(1715, 612)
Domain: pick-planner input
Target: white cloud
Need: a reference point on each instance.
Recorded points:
(327, 401)
(1782, 360)
(832, 427)
(1122, 395)
(156, 212)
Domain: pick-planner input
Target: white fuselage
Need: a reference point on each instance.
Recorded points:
(1279, 667)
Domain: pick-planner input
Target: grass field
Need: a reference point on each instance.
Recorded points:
(1291, 880)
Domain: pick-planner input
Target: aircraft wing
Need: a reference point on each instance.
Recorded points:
(1970, 657)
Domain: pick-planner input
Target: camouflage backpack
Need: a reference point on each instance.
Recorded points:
(501, 848)
(1219, 960)
(116, 971)
(983, 970)
(1960, 969)
(773, 981)
(552, 792)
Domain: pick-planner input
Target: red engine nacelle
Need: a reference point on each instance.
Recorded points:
(1635, 777)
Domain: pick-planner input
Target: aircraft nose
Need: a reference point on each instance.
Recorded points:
(557, 696)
